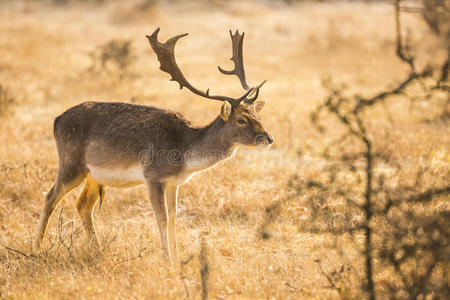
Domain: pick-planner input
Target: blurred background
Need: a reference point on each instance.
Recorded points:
(351, 201)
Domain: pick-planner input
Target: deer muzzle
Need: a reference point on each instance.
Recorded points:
(263, 139)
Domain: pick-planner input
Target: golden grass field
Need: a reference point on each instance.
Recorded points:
(44, 62)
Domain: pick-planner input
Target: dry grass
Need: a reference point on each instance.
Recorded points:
(44, 62)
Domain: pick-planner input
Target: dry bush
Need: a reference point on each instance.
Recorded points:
(115, 56)
(6, 100)
(437, 15)
(396, 222)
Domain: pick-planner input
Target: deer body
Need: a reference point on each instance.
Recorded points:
(122, 145)
(164, 146)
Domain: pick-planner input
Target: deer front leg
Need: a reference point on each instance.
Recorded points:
(158, 200)
(171, 199)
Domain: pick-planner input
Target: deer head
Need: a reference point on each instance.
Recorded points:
(243, 123)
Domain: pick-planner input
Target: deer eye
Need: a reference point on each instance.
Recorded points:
(242, 122)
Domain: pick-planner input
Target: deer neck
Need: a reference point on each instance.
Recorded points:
(209, 145)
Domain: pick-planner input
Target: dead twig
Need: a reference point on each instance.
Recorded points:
(204, 271)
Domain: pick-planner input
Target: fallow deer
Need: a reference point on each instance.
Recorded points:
(123, 145)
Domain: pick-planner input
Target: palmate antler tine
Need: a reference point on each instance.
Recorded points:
(237, 58)
(166, 56)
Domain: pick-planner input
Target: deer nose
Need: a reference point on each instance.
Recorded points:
(264, 139)
(269, 138)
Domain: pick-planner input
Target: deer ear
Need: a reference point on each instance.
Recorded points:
(225, 111)
(258, 105)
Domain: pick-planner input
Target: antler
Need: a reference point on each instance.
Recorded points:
(238, 60)
(166, 56)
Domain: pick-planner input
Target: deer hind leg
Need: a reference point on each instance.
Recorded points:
(85, 206)
(171, 199)
(67, 180)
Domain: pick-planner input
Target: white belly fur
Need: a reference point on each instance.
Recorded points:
(117, 177)
(131, 176)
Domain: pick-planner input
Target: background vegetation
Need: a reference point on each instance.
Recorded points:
(352, 200)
